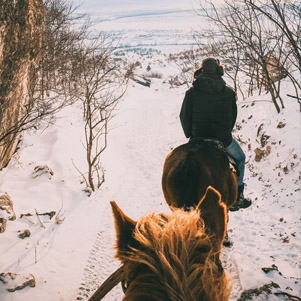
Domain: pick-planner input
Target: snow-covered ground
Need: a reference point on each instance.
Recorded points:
(145, 24)
(73, 252)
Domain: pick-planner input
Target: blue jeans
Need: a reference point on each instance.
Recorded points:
(235, 151)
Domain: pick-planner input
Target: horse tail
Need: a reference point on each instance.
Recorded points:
(185, 181)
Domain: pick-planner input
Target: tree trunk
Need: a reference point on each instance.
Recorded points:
(21, 28)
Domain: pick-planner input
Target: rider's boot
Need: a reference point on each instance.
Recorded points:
(241, 201)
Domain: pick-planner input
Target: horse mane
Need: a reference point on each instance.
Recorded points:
(174, 260)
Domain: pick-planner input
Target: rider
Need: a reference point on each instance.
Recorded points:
(209, 111)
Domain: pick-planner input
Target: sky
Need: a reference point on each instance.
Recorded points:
(134, 4)
(131, 17)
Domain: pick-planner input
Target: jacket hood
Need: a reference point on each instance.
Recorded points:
(209, 83)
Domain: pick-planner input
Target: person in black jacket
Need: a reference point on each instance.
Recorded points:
(209, 111)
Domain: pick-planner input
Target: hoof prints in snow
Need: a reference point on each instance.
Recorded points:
(231, 268)
(100, 265)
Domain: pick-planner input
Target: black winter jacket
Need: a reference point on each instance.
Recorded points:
(209, 109)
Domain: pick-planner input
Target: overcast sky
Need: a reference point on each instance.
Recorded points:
(142, 14)
(90, 5)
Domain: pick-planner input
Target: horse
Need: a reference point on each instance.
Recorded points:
(174, 256)
(191, 167)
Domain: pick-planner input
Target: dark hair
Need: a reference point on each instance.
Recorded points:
(210, 65)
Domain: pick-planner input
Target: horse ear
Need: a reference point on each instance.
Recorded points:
(211, 199)
(214, 214)
(124, 227)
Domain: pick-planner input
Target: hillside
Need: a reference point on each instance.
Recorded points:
(71, 253)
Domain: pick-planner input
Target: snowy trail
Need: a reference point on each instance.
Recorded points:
(145, 129)
(136, 162)
(75, 256)
(100, 263)
(231, 268)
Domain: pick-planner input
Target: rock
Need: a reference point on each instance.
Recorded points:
(263, 139)
(6, 204)
(272, 268)
(17, 281)
(2, 224)
(175, 82)
(26, 214)
(88, 191)
(261, 293)
(285, 170)
(281, 125)
(258, 154)
(259, 129)
(141, 80)
(41, 170)
(268, 150)
(51, 214)
(25, 233)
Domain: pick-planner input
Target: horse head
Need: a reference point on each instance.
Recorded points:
(174, 256)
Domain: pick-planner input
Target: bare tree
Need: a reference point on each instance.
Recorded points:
(286, 15)
(64, 30)
(50, 75)
(21, 27)
(249, 34)
(101, 85)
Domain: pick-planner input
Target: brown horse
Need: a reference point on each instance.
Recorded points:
(176, 256)
(190, 168)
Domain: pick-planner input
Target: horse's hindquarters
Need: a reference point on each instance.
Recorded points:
(188, 171)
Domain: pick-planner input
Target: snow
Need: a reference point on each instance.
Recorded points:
(71, 258)
(144, 23)
(71, 254)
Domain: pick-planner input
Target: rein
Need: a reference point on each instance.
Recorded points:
(108, 285)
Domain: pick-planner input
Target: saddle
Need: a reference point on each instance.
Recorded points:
(219, 145)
